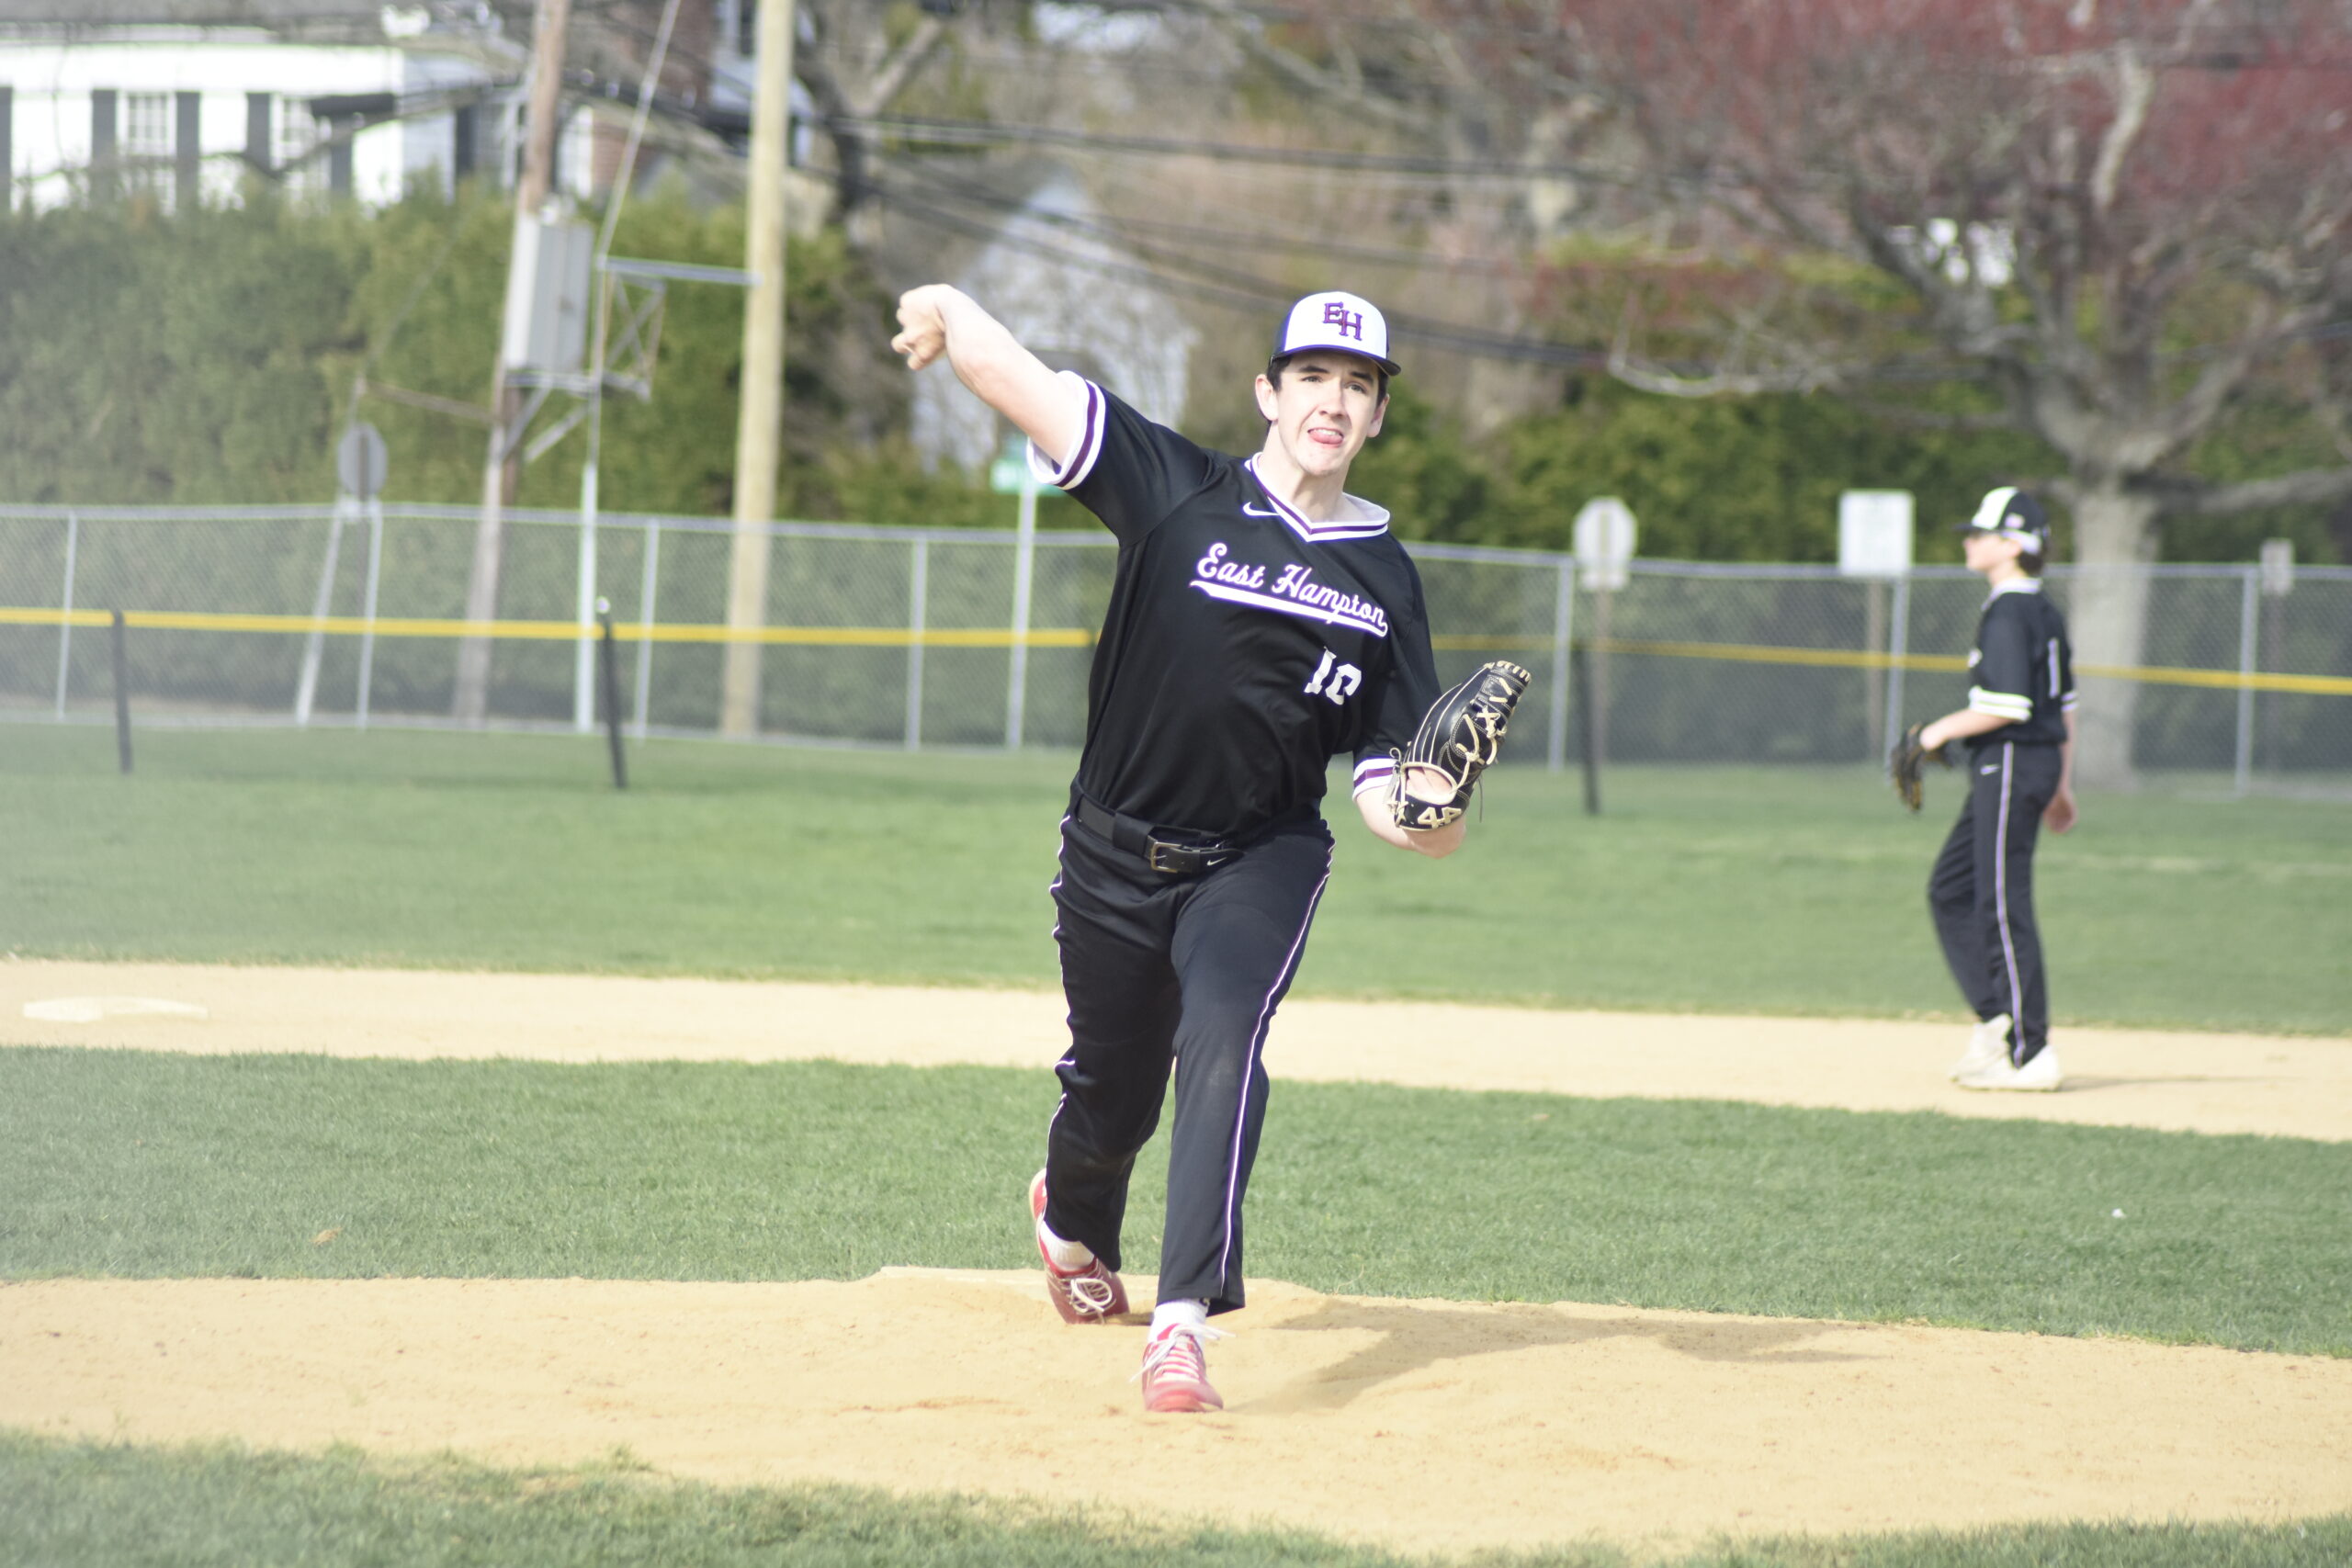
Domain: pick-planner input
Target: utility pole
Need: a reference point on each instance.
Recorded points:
(500, 469)
(761, 423)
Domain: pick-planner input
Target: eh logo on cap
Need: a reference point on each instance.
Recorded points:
(1337, 319)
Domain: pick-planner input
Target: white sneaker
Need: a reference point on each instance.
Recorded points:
(1988, 1043)
(2040, 1076)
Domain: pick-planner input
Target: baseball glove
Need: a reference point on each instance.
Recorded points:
(1459, 739)
(1905, 764)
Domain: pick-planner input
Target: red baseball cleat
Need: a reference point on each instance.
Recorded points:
(1090, 1295)
(1176, 1373)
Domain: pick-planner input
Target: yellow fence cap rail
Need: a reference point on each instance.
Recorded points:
(990, 636)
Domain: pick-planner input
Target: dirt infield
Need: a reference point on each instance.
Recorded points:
(2294, 1086)
(1417, 1424)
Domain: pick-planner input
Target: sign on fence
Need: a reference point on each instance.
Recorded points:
(2278, 566)
(1874, 530)
(1604, 541)
(361, 462)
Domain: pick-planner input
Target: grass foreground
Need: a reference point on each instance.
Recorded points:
(156, 1166)
(1780, 890)
(116, 1505)
(1770, 890)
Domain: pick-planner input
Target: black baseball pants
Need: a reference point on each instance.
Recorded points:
(1173, 973)
(1981, 891)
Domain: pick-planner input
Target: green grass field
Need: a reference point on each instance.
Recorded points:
(1760, 889)
(1771, 890)
(199, 1507)
(129, 1163)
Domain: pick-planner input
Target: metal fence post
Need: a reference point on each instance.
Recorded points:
(1874, 681)
(647, 580)
(1016, 692)
(122, 693)
(1596, 688)
(2249, 614)
(314, 647)
(65, 615)
(1898, 643)
(608, 683)
(1587, 754)
(367, 609)
(918, 591)
(583, 649)
(2276, 566)
(1555, 758)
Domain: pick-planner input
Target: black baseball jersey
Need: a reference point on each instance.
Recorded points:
(2022, 667)
(1246, 645)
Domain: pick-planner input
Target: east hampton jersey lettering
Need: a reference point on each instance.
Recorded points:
(1294, 592)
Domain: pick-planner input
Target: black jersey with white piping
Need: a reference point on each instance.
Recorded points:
(2022, 667)
(1246, 644)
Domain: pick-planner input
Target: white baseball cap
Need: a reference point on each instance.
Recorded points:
(2009, 512)
(1337, 319)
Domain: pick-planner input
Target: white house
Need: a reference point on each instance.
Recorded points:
(182, 98)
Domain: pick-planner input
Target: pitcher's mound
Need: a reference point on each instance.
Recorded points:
(1420, 1425)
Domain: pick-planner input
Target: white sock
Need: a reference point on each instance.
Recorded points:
(1188, 1315)
(1068, 1256)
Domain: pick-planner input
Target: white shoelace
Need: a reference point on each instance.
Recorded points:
(1091, 1292)
(1163, 1346)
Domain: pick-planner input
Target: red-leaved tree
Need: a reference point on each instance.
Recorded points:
(2125, 223)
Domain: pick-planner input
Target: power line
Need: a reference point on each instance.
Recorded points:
(1240, 290)
(1376, 255)
(1191, 278)
(981, 134)
(1355, 20)
(1134, 233)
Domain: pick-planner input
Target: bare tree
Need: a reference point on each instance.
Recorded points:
(1513, 129)
(858, 61)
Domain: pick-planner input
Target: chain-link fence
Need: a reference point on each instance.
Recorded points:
(905, 637)
(1797, 663)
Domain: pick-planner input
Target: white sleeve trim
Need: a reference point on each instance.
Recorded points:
(2000, 705)
(1373, 773)
(2067, 702)
(1069, 475)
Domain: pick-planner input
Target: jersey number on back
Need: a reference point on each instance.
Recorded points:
(1334, 680)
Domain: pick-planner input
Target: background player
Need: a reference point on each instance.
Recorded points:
(2019, 723)
(1262, 620)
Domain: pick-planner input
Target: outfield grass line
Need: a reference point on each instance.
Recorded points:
(1404, 1423)
(1782, 891)
(2282, 1085)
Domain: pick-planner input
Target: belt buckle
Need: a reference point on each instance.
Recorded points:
(1193, 857)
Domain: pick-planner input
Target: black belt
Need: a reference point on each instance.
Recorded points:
(1139, 837)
